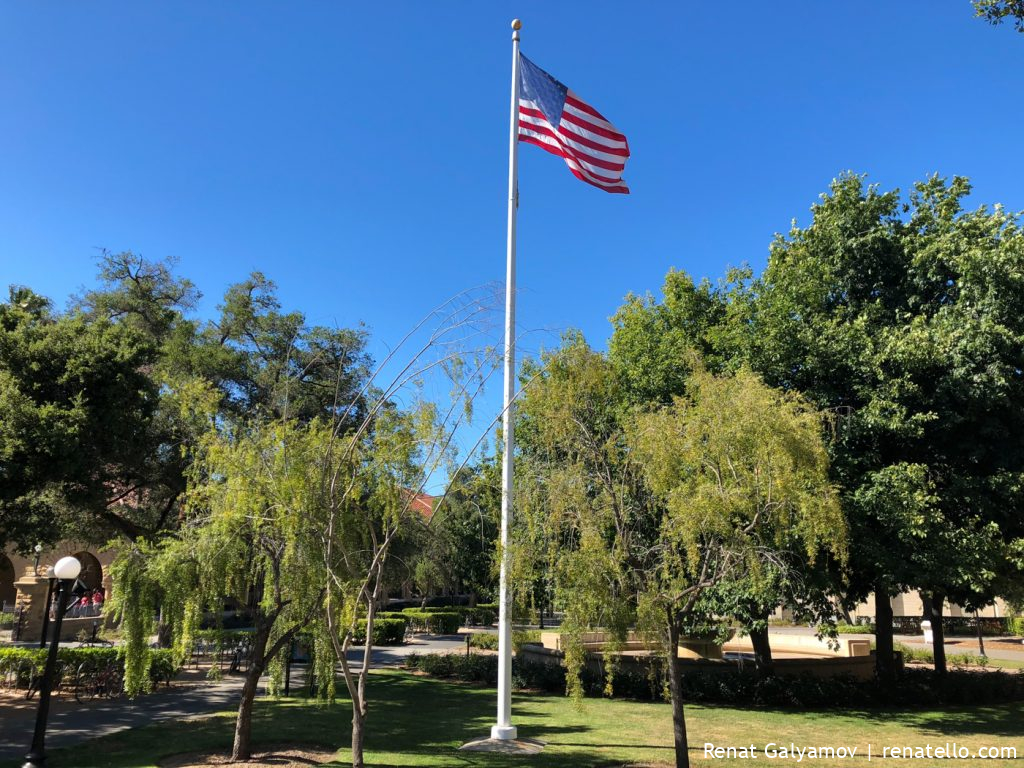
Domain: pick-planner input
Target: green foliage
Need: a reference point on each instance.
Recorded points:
(223, 638)
(521, 637)
(855, 629)
(996, 11)
(489, 640)
(655, 515)
(1015, 626)
(927, 656)
(472, 668)
(133, 606)
(486, 641)
(436, 622)
(105, 402)
(393, 615)
(162, 666)
(78, 423)
(904, 320)
(454, 552)
(385, 631)
(744, 465)
(484, 614)
(915, 688)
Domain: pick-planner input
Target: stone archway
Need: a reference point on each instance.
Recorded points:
(92, 571)
(8, 593)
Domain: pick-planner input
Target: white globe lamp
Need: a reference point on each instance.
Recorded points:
(67, 568)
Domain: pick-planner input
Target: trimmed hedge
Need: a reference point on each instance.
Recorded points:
(915, 688)
(855, 629)
(162, 667)
(521, 637)
(483, 615)
(433, 621)
(386, 631)
(392, 615)
(488, 641)
(958, 625)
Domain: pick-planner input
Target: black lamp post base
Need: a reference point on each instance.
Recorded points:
(34, 760)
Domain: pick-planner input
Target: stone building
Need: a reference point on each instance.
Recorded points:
(24, 587)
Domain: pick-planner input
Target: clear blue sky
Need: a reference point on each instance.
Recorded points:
(357, 152)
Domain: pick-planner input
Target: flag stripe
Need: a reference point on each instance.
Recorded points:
(619, 187)
(574, 100)
(605, 148)
(580, 115)
(556, 149)
(580, 131)
(560, 149)
(583, 157)
(591, 128)
(578, 144)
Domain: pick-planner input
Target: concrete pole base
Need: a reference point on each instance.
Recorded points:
(504, 732)
(512, 746)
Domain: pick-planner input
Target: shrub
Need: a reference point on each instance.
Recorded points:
(855, 629)
(393, 615)
(1015, 626)
(31, 661)
(386, 631)
(474, 668)
(484, 614)
(488, 641)
(915, 688)
(434, 622)
(520, 637)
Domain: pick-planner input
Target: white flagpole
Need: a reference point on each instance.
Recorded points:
(504, 729)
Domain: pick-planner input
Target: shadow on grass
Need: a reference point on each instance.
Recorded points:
(413, 721)
(1003, 720)
(979, 720)
(420, 721)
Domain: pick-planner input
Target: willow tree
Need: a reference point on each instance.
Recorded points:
(742, 472)
(378, 471)
(245, 532)
(648, 513)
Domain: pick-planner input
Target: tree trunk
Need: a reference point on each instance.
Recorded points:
(762, 652)
(359, 705)
(885, 668)
(981, 640)
(933, 612)
(242, 747)
(675, 684)
(164, 631)
(357, 735)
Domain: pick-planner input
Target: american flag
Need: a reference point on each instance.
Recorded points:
(558, 121)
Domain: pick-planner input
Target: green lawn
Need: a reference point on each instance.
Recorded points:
(417, 721)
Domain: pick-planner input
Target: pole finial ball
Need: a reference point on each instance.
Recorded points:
(517, 24)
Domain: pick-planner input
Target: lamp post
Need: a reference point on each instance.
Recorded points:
(38, 549)
(65, 572)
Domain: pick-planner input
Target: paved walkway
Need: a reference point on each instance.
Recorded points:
(71, 722)
(190, 695)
